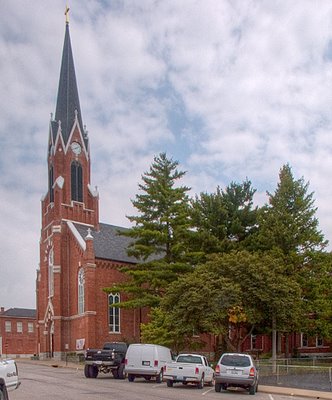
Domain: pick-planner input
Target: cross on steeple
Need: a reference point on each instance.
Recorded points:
(67, 14)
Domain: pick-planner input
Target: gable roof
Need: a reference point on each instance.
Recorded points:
(108, 243)
(19, 313)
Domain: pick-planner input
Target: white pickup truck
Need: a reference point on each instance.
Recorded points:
(189, 368)
(8, 378)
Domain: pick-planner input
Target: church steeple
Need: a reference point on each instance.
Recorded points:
(69, 165)
(68, 103)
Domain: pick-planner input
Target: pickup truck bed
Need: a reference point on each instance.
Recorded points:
(189, 368)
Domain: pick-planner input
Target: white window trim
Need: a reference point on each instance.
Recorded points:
(80, 291)
(116, 311)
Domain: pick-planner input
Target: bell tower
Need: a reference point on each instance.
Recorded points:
(70, 195)
(69, 200)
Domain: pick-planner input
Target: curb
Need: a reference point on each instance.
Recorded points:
(315, 394)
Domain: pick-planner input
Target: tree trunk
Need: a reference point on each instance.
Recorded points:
(274, 343)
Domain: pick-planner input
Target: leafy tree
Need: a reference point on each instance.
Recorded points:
(288, 225)
(230, 294)
(160, 234)
(225, 219)
(317, 284)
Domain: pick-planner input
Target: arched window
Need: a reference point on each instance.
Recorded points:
(50, 184)
(50, 273)
(114, 312)
(76, 181)
(81, 283)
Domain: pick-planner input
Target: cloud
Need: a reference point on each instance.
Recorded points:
(231, 89)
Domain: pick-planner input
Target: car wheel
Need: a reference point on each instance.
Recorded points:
(169, 383)
(224, 386)
(121, 373)
(252, 389)
(131, 377)
(93, 371)
(87, 371)
(201, 383)
(217, 387)
(147, 378)
(159, 377)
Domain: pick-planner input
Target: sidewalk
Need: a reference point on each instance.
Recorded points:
(314, 394)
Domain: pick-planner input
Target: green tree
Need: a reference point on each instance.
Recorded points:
(160, 234)
(288, 224)
(229, 295)
(225, 219)
(317, 284)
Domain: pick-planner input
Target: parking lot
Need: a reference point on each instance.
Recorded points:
(49, 383)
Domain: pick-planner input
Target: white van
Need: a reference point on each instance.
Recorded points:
(147, 361)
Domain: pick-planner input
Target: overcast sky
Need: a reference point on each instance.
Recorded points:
(230, 89)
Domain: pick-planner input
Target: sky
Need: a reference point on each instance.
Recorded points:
(229, 89)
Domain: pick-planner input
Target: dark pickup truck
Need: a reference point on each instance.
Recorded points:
(110, 358)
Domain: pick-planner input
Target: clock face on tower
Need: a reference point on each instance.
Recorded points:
(76, 148)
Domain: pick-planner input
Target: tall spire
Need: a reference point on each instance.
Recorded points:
(68, 101)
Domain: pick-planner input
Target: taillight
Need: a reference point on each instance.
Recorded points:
(252, 371)
(156, 363)
(217, 369)
(196, 371)
(126, 361)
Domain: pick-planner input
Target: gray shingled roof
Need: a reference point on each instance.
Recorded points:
(20, 312)
(108, 244)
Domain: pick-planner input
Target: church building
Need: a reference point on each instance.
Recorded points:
(79, 255)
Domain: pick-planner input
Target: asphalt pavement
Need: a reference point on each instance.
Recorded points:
(315, 394)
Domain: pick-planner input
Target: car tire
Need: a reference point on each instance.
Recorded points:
(87, 371)
(201, 383)
(224, 386)
(159, 377)
(131, 377)
(93, 371)
(217, 387)
(121, 372)
(252, 389)
(169, 383)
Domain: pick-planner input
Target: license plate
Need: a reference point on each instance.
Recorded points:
(98, 362)
(146, 363)
(233, 372)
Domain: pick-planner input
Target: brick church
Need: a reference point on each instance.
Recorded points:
(79, 255)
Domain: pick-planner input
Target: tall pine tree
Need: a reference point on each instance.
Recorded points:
(288, 226)
(289, 223)
(225, 219)
(160, 235)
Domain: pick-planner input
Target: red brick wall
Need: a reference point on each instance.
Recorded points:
(18, 343)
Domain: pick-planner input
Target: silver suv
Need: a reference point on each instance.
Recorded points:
(236, 370)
